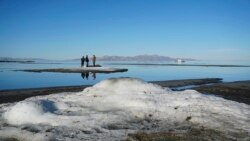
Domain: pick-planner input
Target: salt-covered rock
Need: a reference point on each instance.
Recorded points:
(115, 107)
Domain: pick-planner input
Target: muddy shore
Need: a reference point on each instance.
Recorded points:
(238, 91)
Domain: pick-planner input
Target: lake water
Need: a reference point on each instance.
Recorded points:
(10, 79)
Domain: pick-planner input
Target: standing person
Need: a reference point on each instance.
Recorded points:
(87, 61)
(94, 59)
(82, 61)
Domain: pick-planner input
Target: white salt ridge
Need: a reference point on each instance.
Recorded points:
(80, 70)
(92, 68)
(115, 107)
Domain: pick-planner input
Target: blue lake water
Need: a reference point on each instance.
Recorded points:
(10, 79)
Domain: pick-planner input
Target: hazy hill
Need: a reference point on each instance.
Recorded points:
(100, 58)
(139, 58)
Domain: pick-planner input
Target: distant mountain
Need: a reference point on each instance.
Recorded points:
(99, 58)
(139, 58)
(135, 58)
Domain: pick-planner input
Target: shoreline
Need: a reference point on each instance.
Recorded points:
(237, 91)
(21, 94)
(182, 65)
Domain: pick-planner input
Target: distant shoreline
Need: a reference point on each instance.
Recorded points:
(7, 61)
(237, 91)
(188, 65)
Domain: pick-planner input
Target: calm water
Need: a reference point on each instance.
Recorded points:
(10, 79)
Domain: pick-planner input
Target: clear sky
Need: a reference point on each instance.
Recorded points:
(64, 29)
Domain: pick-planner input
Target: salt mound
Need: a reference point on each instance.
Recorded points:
(125, 85)
(115, 107)
(24, 111)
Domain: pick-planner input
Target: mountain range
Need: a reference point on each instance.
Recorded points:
(140, 58)
(103, 58)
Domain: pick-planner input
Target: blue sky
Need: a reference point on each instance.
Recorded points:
(64, 29)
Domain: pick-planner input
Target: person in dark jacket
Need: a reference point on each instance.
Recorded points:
(87, 60)
(82, 61)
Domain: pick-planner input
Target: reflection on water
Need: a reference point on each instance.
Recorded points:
(94, 76)
(85, 75)
(10, 79)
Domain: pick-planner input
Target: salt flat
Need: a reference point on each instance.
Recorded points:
(79, 70)
(115, 108)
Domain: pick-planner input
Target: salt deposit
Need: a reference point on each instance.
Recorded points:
(115, 107)
(79, 70)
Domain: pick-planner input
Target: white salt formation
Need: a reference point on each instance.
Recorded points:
(79, 70)
(115, 107)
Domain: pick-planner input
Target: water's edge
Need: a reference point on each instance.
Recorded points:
(236, 91)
